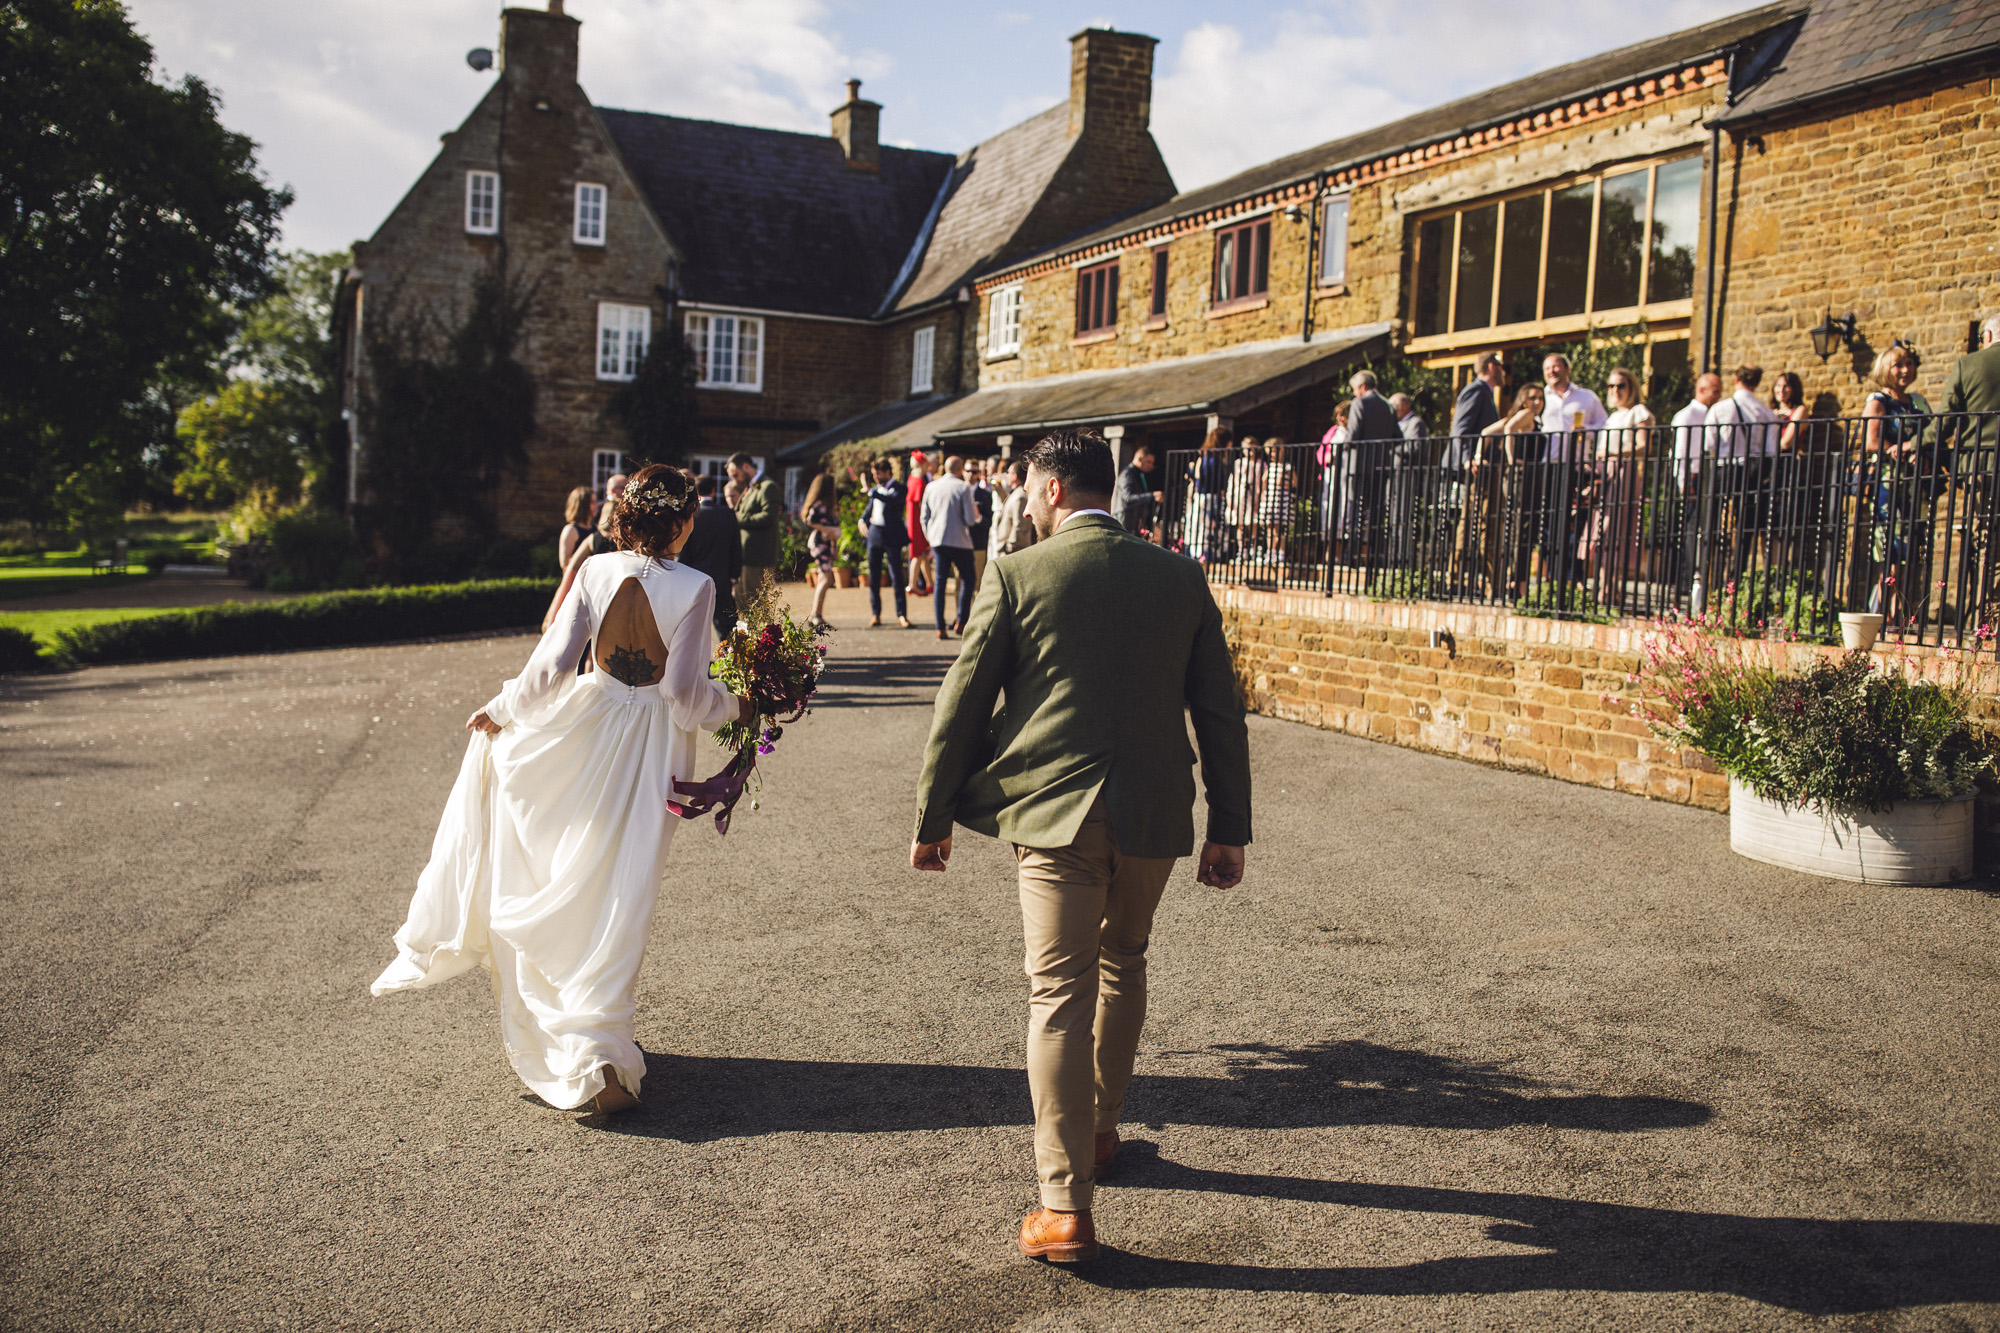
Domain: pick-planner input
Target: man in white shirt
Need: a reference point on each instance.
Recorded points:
(1403, 486)
(1691, 442)
(1571, 417)
(950, 513)
(1744, 439)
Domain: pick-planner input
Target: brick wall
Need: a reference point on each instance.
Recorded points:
(1891, 210)
(1513, 691)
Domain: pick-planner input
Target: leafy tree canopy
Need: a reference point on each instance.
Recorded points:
(131, 223)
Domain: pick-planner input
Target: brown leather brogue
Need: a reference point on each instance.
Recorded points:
(1107, 1153)
(1060, 1238)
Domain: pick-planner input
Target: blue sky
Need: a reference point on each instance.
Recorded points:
(348, 97)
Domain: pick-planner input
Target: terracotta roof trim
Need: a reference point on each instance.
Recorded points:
(1531, 123)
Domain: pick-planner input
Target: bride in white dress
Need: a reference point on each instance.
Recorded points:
(547, 861)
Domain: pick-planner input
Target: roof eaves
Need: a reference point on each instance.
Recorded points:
(923, 240)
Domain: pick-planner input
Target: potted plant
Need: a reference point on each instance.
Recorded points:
(1835, 768)
(851, 552)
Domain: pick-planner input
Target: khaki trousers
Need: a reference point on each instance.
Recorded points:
(749, 581)
(1087, 913)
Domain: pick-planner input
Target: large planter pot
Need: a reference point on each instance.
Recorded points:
(1912, 842)
(1858, 630)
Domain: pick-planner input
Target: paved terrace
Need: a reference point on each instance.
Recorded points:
(1468, 1049)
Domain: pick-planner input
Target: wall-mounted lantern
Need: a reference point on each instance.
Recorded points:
(1824, 334)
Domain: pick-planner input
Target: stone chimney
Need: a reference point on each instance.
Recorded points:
(538, 49)
(1110, 82)
(858, 125)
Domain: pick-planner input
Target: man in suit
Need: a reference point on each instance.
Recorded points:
(1134, 502)
(1478, 407)
(1974, 382)
(715, 547)
(1372, 436)
(1102, 646)
(757, 516)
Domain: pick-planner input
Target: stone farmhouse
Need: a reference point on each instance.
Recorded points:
(1713, 194)
(817, 278)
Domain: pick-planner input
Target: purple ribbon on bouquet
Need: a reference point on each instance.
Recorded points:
(719, 793)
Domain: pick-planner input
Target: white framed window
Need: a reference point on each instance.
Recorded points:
(728, 351)
(795, 487)
(482, 202)
(708, 465)
(622, 334)
(604, 465)
(923, 353)
(1003, 321)
(589, 214)
(1333, 243)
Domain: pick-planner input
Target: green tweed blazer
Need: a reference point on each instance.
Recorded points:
(1974, 382)
(1085, 656)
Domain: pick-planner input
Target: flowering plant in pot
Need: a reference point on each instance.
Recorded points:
(1835, 767)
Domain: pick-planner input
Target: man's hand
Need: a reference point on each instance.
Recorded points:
(1221, 867)
(933, 855)
(480, 722)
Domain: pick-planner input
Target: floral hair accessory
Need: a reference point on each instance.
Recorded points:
(657, 498)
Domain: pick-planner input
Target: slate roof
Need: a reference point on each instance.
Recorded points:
(1002, 180)
(1848, 45)
(776, 220)
(1564, 83)
(875, 421)
(1230, 381)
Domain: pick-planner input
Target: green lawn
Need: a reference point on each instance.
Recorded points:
(70, 571)
(45, 625)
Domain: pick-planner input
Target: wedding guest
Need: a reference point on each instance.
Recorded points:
(949, 513)
(1241, 498)
(1208, 479)
(1612, 539)
(1332, 459)
(1741, 429)
(1406, 479)
(1280, 495)
(1091, 661)
(1135, 503)
(732, 493)
(920, 546)
(715, 547)
(546, 867)
(882, 515)
(1700, 510)
(982, 531)
(1478, 407)
(1011, 529)
(1372, 438)
(577, 510)
(820, 513)
(1524, 488)
(1570, 413)
(1974, 384)
(598, 543)
(1904, 480)
(757, 515)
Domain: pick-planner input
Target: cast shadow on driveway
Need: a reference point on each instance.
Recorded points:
(1812, 1265)
(702, 1098)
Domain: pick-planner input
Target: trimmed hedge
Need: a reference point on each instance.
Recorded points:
(326, 620)
(20, 651)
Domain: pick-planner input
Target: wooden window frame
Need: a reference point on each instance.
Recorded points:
(1256, 281)
(594, 210)
(923, 358)
(1542, 326)
(624, 332)
(701, 330)
(1327, 248)
(1097, 300)
(474, 226)
(1156, 310)
(1003, 318)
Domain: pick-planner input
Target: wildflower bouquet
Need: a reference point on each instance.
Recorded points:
(776, 662)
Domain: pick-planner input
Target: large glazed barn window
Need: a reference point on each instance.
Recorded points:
(1615, 248)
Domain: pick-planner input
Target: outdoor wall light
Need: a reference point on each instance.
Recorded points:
(1827, 330)
(1293, 213)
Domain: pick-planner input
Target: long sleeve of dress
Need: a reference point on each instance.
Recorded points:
(553, 661)
(699, 703)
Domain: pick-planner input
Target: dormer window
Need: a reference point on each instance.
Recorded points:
(590, 214)
(482, 202)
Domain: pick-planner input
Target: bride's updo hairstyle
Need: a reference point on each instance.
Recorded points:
(657, 505)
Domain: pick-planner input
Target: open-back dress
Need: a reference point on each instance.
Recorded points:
(547, 862)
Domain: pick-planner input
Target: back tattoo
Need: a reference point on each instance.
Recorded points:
(630, 666)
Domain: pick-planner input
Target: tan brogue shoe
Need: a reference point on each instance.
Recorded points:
(1107, 1153)
(1060, 1238)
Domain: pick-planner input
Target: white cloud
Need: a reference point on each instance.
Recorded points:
(1223, 102)
(347, 99)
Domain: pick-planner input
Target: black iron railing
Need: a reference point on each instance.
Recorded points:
(1780, 526)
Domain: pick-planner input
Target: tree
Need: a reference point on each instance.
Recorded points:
(658, 408)
(447, 410)
(131, 224)
(272, 428)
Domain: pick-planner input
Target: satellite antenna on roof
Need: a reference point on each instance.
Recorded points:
(479, 58)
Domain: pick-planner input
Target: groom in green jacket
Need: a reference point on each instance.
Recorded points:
(1097, 648)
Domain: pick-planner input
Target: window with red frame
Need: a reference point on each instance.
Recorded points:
(1159, 310)
(1243, 261)
(1097, 297)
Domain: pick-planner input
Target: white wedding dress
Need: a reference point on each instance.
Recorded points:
(547, 861)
